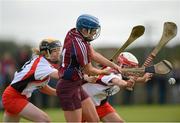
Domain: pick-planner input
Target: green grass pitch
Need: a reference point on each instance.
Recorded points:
(134, 113)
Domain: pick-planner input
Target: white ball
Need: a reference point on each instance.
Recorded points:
(172, 81)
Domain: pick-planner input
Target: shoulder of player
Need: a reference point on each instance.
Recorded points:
(44, 61)
(74, 33)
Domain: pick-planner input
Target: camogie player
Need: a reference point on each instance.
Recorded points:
(35, 74)
(107, 85)
(77, 54)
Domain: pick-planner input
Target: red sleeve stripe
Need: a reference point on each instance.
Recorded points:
(33, 68)
(83, 50)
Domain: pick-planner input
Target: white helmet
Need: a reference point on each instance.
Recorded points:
(126, 58)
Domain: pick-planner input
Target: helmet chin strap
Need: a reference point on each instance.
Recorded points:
(86, 36)
(88, 40)
(48, 54)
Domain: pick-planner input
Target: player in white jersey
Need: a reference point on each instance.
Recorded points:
(35, 74)
(108, 85)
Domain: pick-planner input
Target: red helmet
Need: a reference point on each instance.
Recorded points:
(128, 59)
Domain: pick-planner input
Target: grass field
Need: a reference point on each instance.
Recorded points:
(137, 113)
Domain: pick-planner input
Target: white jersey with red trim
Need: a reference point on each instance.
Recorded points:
(99, 91)
(33, 75)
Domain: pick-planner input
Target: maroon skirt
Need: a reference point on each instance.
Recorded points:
(70, 94)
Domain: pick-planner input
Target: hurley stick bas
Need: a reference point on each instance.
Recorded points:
(136, 32)
(169, 32)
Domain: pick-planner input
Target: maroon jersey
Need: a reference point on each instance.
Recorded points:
(75, 54)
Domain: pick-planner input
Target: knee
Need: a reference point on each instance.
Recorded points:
(44, 118)
(91, 119)
(121, 121)
(95, 119)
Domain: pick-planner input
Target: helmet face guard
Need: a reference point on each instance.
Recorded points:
(92, 34)
(47, 45)
(91, 24)
(54, 45)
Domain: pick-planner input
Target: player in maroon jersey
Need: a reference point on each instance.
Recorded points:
(77, 54)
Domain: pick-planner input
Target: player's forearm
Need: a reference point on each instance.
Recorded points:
(94, 71)
(119, 82)
(140, 80)
(90, 70)
(48, 90)
(145, 78)
(97, 57)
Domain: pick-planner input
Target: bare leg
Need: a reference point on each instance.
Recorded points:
(33, 113)
(112, 117)
(89, 111)
(10, 118)
(73, 116)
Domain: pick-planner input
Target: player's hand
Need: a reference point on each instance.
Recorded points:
(91, 79)
(130, 83)
(117, 68)
(147, 77)
(106, 71)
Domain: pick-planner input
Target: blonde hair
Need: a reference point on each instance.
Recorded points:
(36, 51)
